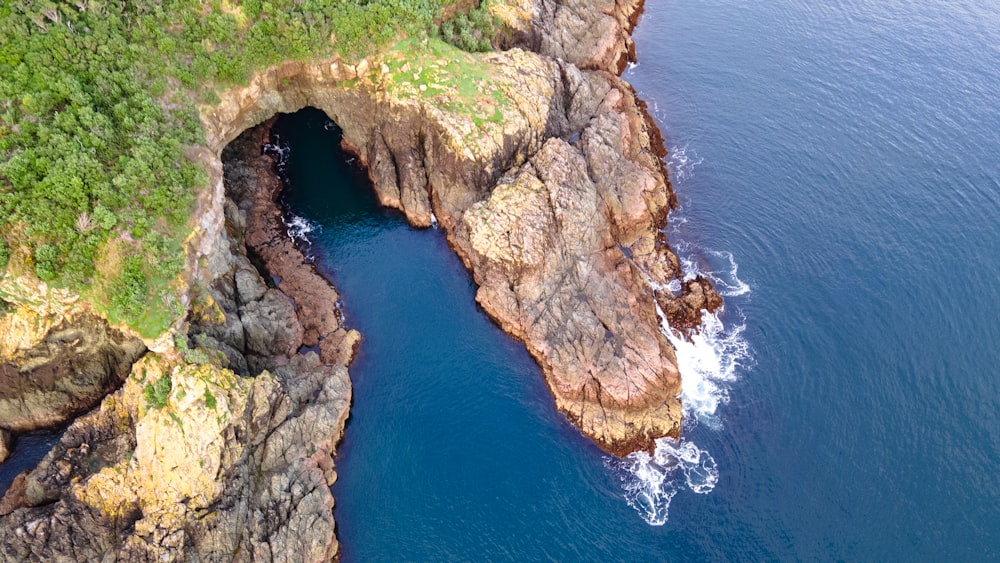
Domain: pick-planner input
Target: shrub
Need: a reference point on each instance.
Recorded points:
(471, 31)
(45, 262)
(129, 292)
(156, 394)
(98, 109)
(209, 399)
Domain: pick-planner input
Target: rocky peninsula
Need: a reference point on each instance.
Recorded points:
(545, 173)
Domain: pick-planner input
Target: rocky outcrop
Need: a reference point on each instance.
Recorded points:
(544, 172)
(74, 366)
(588, 34)
(572, 151)
(253, 189)
(225, 468)
(225, 453)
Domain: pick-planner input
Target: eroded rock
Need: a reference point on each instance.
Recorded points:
(6, 444)
(225, 468)
(74, 366)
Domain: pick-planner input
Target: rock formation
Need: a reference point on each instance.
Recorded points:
(546, 175)
(224, 454)
(66, 374)
(570, 165)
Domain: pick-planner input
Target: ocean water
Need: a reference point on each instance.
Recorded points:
(838, 166)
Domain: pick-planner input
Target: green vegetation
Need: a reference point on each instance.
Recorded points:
(156, 394)
(471, 31)
(4, 254)
(98, 115)
(209, 399)
(202, 354)
(463, 83)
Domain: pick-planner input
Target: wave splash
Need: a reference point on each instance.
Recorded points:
(650, 482)
(710, 361)
(681, 162)
(298, 228)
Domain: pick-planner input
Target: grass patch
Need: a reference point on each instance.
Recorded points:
(97, 116)
(157, 394)
(209, 399)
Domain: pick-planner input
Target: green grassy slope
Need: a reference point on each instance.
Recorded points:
(98, 110)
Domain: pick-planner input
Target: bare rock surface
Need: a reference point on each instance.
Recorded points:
(74, 366)
(229, 468)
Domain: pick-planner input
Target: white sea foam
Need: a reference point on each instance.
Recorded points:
(280, 151)
(651, 482)
(298, 228)
(682, 162)
(710, 362)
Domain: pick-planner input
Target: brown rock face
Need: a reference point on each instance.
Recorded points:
(69, 372)
(553, 274)
(557, 207)
(591, 34)
(254, 188)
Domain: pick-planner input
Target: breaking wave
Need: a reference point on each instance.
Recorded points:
(650, 482)
(710, 361)
(298, 228)
(681, 163)
(280, 151)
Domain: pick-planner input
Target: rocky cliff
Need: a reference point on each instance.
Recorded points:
(544, 171)
(221, 449)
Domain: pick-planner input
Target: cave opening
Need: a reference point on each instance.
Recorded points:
(451, 420)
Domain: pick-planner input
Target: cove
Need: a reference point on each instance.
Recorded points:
(454, 449)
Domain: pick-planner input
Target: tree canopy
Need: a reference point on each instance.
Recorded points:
(98, 110)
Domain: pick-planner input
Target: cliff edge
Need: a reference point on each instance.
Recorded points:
(546, 175)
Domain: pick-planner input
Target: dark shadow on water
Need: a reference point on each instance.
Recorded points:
(29, 449)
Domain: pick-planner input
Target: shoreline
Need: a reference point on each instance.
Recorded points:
(571, 174)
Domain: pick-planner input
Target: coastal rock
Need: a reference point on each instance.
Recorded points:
(589, 34)
(253, 189)
(226, 468)
(552, 274)
(6, 444)
(74, 366)
(545, 176)
(685, 312)
(29, 309)
(575, 130)
(270, 325)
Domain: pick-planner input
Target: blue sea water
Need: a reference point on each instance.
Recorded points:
(838, 166)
